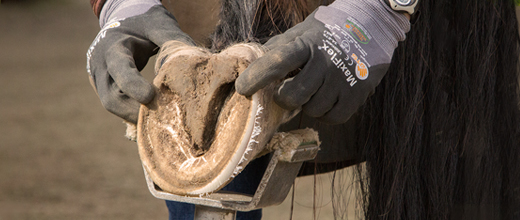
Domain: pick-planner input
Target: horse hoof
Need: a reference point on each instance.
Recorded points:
(198, 133)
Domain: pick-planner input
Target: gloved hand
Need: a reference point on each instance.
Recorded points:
(343, 50)
(134, 30)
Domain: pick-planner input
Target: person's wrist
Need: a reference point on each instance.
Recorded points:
(408, 16)
(97, 5)
(375, 8)
(387, 25)
(115, 10)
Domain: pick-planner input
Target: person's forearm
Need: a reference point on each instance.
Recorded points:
(97, 5)
(106, 10)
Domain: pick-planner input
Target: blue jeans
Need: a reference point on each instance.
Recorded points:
(246, 182)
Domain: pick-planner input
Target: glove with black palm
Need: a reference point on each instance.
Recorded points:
(343, 50)
(132, 34)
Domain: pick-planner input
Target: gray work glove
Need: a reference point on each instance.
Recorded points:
(343, 50)
(122, 49)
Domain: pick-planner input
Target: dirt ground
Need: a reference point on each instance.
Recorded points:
(62, 155)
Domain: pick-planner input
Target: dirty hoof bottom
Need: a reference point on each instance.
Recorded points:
(198, 133)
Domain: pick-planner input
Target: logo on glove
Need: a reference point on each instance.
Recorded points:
(357, 32)
(361, 68)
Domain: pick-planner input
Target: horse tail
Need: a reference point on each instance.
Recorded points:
(443, 127)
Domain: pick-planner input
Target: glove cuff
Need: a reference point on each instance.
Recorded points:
(387, 26)
(115, 10)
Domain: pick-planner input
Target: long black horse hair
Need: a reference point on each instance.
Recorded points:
(256, 20)
(443, 128)
(441, 134)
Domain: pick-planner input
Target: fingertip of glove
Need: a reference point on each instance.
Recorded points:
(311, 112)
(242, 86)
(286, 102)
(140, 90)
(147, 95)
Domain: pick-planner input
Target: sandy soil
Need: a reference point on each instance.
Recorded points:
(62, 156)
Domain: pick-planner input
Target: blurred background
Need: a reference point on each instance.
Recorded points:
(62, 155)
